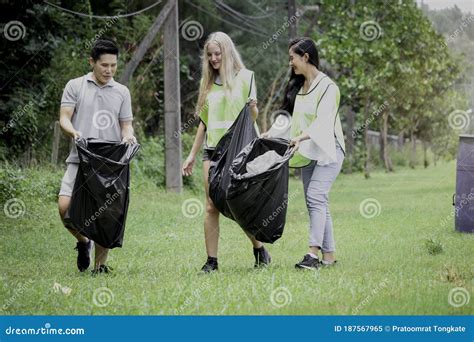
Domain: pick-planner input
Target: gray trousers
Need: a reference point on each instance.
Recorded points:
(317, 181)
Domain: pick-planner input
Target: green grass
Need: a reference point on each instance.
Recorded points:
(386, 264)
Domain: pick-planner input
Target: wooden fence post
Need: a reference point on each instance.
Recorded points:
(56, 139)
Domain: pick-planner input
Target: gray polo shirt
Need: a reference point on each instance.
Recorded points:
(98, 110)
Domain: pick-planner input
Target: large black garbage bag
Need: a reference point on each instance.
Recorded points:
(258, 196)
(240, 134)
(99, 203)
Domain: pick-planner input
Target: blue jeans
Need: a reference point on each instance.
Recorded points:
(317, 181)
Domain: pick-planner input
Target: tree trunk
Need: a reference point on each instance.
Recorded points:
(401, 141)
(350, 138)
(367, 155)
(264, 116)
(293, 29)
(314, 20)
(367, 143)
(381, 144)
(386, 157)
(172, 86)
(146, 43)
(425, 154)
(413, 149)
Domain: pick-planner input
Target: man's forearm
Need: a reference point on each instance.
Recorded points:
(67, 127)
(127, 131)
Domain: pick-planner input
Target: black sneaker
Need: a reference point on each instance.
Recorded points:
(262, 257)
(309, 263)
(83, 255)
(210, 265)
(102, 269)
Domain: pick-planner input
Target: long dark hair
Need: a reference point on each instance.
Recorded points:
(299, 46)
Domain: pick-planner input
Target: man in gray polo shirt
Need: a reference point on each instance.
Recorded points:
(93, 106)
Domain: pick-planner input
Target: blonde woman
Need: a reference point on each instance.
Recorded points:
(224, 90)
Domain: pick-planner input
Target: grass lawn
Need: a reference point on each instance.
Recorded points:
(385, 266)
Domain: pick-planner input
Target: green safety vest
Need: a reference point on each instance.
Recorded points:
(223, 106)
(305, 114)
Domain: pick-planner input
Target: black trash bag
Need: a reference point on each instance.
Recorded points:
(240, 134)
(258, 197)
(99, 202)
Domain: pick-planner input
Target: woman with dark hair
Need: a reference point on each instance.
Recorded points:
(312, 99)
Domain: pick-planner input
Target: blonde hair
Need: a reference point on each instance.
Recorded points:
(231, 64)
